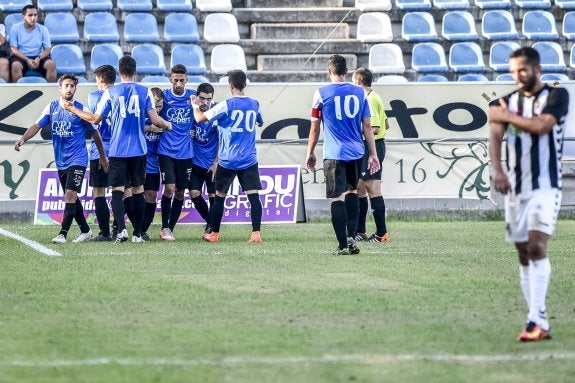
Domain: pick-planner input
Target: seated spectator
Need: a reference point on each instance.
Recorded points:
(4, 63)
(30, 45)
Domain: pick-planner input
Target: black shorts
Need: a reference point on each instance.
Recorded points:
(175, 171)
(127, 171)
(341, 176)
(26, 68)
(199, 176)
(72, 178)
(152, 181)
(98, 177)
(249, 178)
(380, 150)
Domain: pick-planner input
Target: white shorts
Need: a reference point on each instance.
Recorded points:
(538, 212)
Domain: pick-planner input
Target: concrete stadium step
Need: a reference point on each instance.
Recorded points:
(288, 76)
(292, 3)
(299, 62)
(296, 31)
(296, 15)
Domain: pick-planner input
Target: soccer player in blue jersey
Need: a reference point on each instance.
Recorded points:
(344, 110)
(175, 150)
(205, 143)
(69, 140)
(237, 118)
(152, 183)
(105, 77)
(127, 104)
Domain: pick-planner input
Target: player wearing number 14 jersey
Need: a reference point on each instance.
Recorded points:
(237, 118)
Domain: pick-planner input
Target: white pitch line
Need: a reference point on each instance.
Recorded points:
(324, 359)
(33, 244)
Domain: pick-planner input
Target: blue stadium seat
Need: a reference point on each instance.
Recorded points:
(105, 54)
(432, 78)
(68, 59)
(428, 57)
(373, 5)
(214, 5)
(11, 19)
(413, 5)
(101, 27)
(554, 77)
(533, 4)
(565, 4)
(141, 28)
(386, 58)
(498, 25)
(472, 77)
(505, 77)
(155, 79)
(8, 6)
(174, 5)
(572, 57)
(135, 5)
(63, 27)
(493, 4)
(418, 26)
(499, 55)
(149, 59)
(191, 56)
(54, 5)
(221, 28)
(181, 28)
(458, 26)
(82, 79)
(197, 79)
(450, 4)
(551, 55)
(374, 27)
(568, 28)
(95, 5)
(539, 25)
(31, 80)
(226, 57)
(466, 57)
(2, 81)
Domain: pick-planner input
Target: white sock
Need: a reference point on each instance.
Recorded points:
(525, 281)
(540, 276)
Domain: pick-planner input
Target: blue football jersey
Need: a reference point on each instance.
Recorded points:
(205, 143)
(103, 127)
(152, 140)
(127, 104)
(342, 108)
(178, 110)
(68, 134)
(236, 118)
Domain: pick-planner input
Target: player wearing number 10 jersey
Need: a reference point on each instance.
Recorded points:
(237, 118)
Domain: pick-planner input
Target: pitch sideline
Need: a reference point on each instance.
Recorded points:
(28, 242)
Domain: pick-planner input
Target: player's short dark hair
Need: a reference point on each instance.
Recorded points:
(179, 69)
(157, 93)
(68, 77)
(127, 66)
(337, 65)
(238, 79)
(205, 88)
(106, 72)
(364, 76)
(531, 55)
(27, 7)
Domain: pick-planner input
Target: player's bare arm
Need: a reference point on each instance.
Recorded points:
(311, 160)
(29, 133)
(500, 180)
(104, 163)
(92, 118)
(159, 121)
(541, 124)
(199, 116)
(373, 161)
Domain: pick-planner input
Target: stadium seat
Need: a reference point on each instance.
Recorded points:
(155, 79)
(533, 4)
(386, 58)
(68, 59)
(149, 59)
(8, 6)
(418, 26)
(214, 5)
(95, 5)
(572, 57)
(551, 55)
(466, 57)
(221, 28)
(373, 5)
(141, 28)
(31, 80)
(432, 78)
(499, 55)
(54, 5)
(11, 19)
(565, 4)
(226, 57)
(459, 26)
(505, 77)
(428, 57)
(374, 27)
(2, 81)
(191, 56)
(174, 5)
(105, 54)
(181, 28)
(568, 28)
(472, 77)
(539, 25)
(101, 27)
(554, 77)
(413, 5)
(82, 79)
(493, 4)
(392, 79)
(498, 25)
(63, 27)
(135, 5)
(197, 79)
(450, 4)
